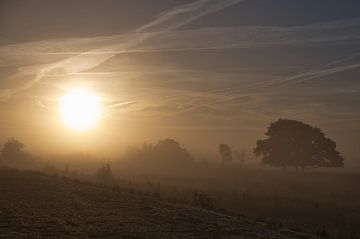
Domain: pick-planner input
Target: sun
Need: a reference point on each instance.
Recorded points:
(80, 109)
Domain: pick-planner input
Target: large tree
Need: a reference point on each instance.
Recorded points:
(292, 143)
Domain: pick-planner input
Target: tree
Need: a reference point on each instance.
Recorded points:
(13, 154)
(166, 153)
(292, 143)
(169, 150)
(225, 152)
(12, 146)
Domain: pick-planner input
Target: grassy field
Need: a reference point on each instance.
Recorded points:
(325, 203)
(34, 205)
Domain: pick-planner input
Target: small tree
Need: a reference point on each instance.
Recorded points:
(13, 153)
(292, 143)
(12, 147)
(225, 152)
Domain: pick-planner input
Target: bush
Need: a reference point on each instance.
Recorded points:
(203, 201)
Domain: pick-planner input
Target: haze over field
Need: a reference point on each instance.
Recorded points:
(202, 72)
(137, 118)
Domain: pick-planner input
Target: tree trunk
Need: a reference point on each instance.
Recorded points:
(297, 168)
(285, 169)
(302, 169)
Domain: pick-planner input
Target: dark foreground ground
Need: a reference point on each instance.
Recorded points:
(33, 205)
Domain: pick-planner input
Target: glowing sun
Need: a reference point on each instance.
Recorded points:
(80, 109)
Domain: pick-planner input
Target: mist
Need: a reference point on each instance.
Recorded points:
(179, 119)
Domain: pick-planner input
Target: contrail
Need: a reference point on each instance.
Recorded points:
(330, 33)
(167, 21)
(185, 14)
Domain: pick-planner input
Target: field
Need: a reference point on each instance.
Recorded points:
(34, 205)
(326, 203)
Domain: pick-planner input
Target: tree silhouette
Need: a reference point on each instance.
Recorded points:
(12, 146)
(292, 143)
(13, 154)
(165, 153)
(171, 151)
(225, 152)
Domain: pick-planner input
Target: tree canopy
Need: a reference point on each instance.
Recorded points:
(13, 153)
(292, 143)
(165, 152)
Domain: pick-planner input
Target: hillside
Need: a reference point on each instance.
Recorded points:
(33, 205)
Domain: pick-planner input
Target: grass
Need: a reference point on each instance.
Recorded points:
(327, 204)
(35, 205)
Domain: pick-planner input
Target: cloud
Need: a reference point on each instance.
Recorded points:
(67, 56)
(87, 60)
(185, 14)
(334, 32)
(79, 56)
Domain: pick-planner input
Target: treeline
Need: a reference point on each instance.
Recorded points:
(288, 143)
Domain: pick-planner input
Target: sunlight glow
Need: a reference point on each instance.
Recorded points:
(80, 109)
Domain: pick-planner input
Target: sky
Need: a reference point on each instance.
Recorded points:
(203, 72)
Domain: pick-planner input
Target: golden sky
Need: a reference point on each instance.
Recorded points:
(203, 72)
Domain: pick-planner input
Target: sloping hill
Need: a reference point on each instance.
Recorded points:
(33, 205)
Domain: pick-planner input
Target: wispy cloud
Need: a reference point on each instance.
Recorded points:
(185, 14)
(78, 56)
(169, 20)
(53, 57)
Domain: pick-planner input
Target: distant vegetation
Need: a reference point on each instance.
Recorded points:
(292, 143)
(289, 143)
(324, 203)
(13, 154)
(229, 156)
(104, 175)
(226, 153)
(165, 155)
